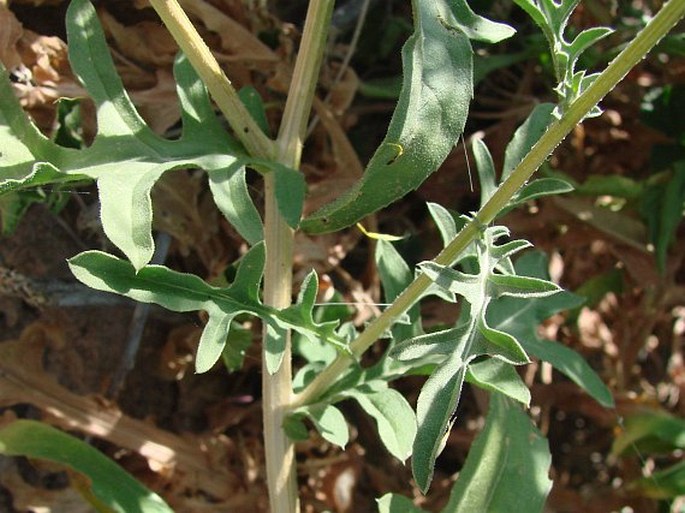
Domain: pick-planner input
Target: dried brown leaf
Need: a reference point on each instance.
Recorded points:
(181, 212)
(343, 92)
(23, 380)
(146, 43)
(178, 353)
(159, 104)
(26, 497)
(237, 40)
(9, 37)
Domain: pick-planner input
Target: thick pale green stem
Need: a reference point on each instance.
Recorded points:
(219, 86)
(659, 26)
(277, 388)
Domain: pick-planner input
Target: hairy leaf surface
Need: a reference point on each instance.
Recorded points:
(437, 87)
(457, 349)
(394, 417)
(126, 157)
(520, 317)
(507, 467)
(185, 292)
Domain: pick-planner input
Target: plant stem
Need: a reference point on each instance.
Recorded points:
(278, 236)
(218, 84)
(658, 27)
(277, 388)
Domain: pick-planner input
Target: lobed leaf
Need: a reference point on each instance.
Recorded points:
(126, 157)
(185, 292)
(437, 344)
(552, 17)
(497, 343)
(520, 317)
(435, 409)
(573, 365)
(230, 194)
(497, 376)
(302, 313)
(520, 286)
(476, 27)
(24, 147)
(585, 39)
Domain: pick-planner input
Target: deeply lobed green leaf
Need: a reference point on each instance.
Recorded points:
(185, 292)
(455, 350)
(127, 158)
(520, 317)
(552, 17)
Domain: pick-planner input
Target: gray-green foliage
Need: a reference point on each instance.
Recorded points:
(501, 301)
(186, 292)
(456, 349)
(126, 157)
(509, 445)
(429, 117)
(552, 17)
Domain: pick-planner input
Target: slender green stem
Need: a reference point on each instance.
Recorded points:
(218, 84)
(659, 26)
(277, 388)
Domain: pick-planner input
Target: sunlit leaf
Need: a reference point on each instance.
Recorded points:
(520, 317)
(496, 376)
(328, 421)
(126, 157)
(507, 467)
(393, 503)
(109, 483)
(185, 292)
(430, 115)
(394, 418)
(435, 413)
